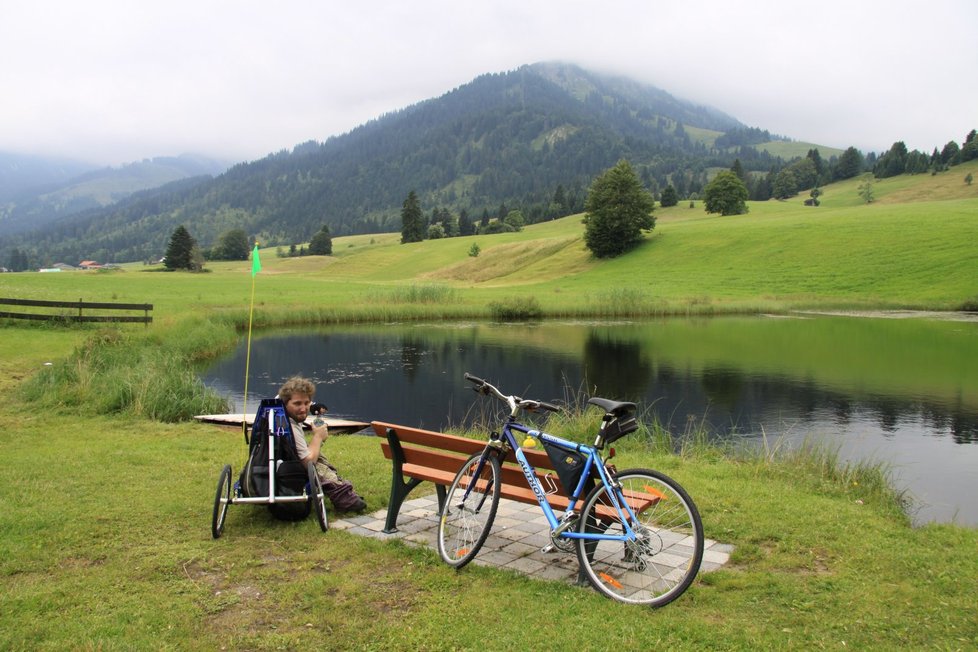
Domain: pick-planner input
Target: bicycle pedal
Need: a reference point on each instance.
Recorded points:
(547, 548)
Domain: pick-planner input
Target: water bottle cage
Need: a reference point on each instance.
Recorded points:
(551, 484)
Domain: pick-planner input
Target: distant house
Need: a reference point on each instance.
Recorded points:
(89, 264)
(64, 267)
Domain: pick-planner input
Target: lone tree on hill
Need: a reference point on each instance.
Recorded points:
(180, 252)
(725, 194)
(321, 243)
(412, 220)
(232, 245)
(617, 210)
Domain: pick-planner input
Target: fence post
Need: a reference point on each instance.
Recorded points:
(79, 308)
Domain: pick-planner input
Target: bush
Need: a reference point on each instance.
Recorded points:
(516, 309)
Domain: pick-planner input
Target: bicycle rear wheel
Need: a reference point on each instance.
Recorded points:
(663, 560)
(464, 524)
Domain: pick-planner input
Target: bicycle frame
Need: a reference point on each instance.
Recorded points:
(592, 462)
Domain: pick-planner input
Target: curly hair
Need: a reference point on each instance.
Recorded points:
(296, 385)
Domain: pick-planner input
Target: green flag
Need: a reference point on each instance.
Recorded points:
(255, 261)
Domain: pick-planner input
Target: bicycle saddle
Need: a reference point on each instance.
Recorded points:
(617, 408)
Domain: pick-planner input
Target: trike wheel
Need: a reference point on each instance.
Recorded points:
(221, 501)
(316, 496)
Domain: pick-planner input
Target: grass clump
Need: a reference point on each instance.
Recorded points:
(516, 309)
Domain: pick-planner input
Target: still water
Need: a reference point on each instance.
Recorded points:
(903, 391)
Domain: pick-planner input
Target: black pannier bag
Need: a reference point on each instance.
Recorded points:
(618, 427)
(569, 466)
(291, 475)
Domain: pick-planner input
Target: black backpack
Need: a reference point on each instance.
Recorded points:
(291, 474)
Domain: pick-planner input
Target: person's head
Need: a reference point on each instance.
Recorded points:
(297, 395)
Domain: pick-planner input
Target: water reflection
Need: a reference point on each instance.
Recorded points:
(879, 389)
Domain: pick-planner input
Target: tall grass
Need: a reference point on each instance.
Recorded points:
(123, 372)
(663, 445)
(422, 294)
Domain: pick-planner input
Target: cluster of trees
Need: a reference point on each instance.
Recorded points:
(897, 160)
(442, 223)
(18, 260)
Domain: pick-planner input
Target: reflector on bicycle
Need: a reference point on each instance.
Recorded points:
(608, 579)
(655, 492)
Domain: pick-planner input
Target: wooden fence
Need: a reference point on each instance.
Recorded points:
(73, 311)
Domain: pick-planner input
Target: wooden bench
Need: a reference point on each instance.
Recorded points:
(422, 455)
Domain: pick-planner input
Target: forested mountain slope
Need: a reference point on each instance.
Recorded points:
(516, 139)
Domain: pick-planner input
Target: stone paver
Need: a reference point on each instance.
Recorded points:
(518, 536)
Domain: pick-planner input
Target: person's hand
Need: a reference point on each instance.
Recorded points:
(320, 432)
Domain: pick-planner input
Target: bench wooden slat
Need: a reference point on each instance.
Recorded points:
(443, 441)
(512, 473)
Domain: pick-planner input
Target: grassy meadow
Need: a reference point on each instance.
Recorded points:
(108, 487)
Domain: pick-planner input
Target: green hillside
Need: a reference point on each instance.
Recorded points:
(906, 249)
(789, 149)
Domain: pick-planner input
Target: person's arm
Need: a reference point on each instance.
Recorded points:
(319, 435)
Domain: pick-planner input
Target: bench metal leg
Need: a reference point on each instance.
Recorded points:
(399, 491)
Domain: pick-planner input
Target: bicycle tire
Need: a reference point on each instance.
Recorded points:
(315, 494)
(464, 526)
(221, 501)
(661, 565)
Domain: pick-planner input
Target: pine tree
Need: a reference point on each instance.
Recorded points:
(669, 197)
(179, 253)
(849, 164)
(738, 169)
(412, 220)
(465, 226)
(321, 243)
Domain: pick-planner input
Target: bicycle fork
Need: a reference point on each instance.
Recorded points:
(490, 447)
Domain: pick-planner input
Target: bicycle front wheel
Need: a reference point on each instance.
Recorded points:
(465, 520)
(661, 562)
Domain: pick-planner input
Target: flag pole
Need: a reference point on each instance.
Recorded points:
(255, 268)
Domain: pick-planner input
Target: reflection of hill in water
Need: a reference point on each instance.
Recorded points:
(414, 373)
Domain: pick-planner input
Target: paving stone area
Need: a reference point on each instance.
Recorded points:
(519, 533)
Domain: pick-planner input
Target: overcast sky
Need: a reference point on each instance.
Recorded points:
(111, 81)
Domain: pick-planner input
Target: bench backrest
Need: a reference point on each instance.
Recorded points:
(447, 453)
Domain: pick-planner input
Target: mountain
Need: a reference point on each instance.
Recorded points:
(20, 173)
(519, 139)
(35, 192)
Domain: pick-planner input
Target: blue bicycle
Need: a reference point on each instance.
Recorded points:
(638, 535)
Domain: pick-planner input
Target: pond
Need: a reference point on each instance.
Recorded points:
(901, 391)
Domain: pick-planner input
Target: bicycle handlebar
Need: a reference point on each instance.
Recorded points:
(514, 402)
